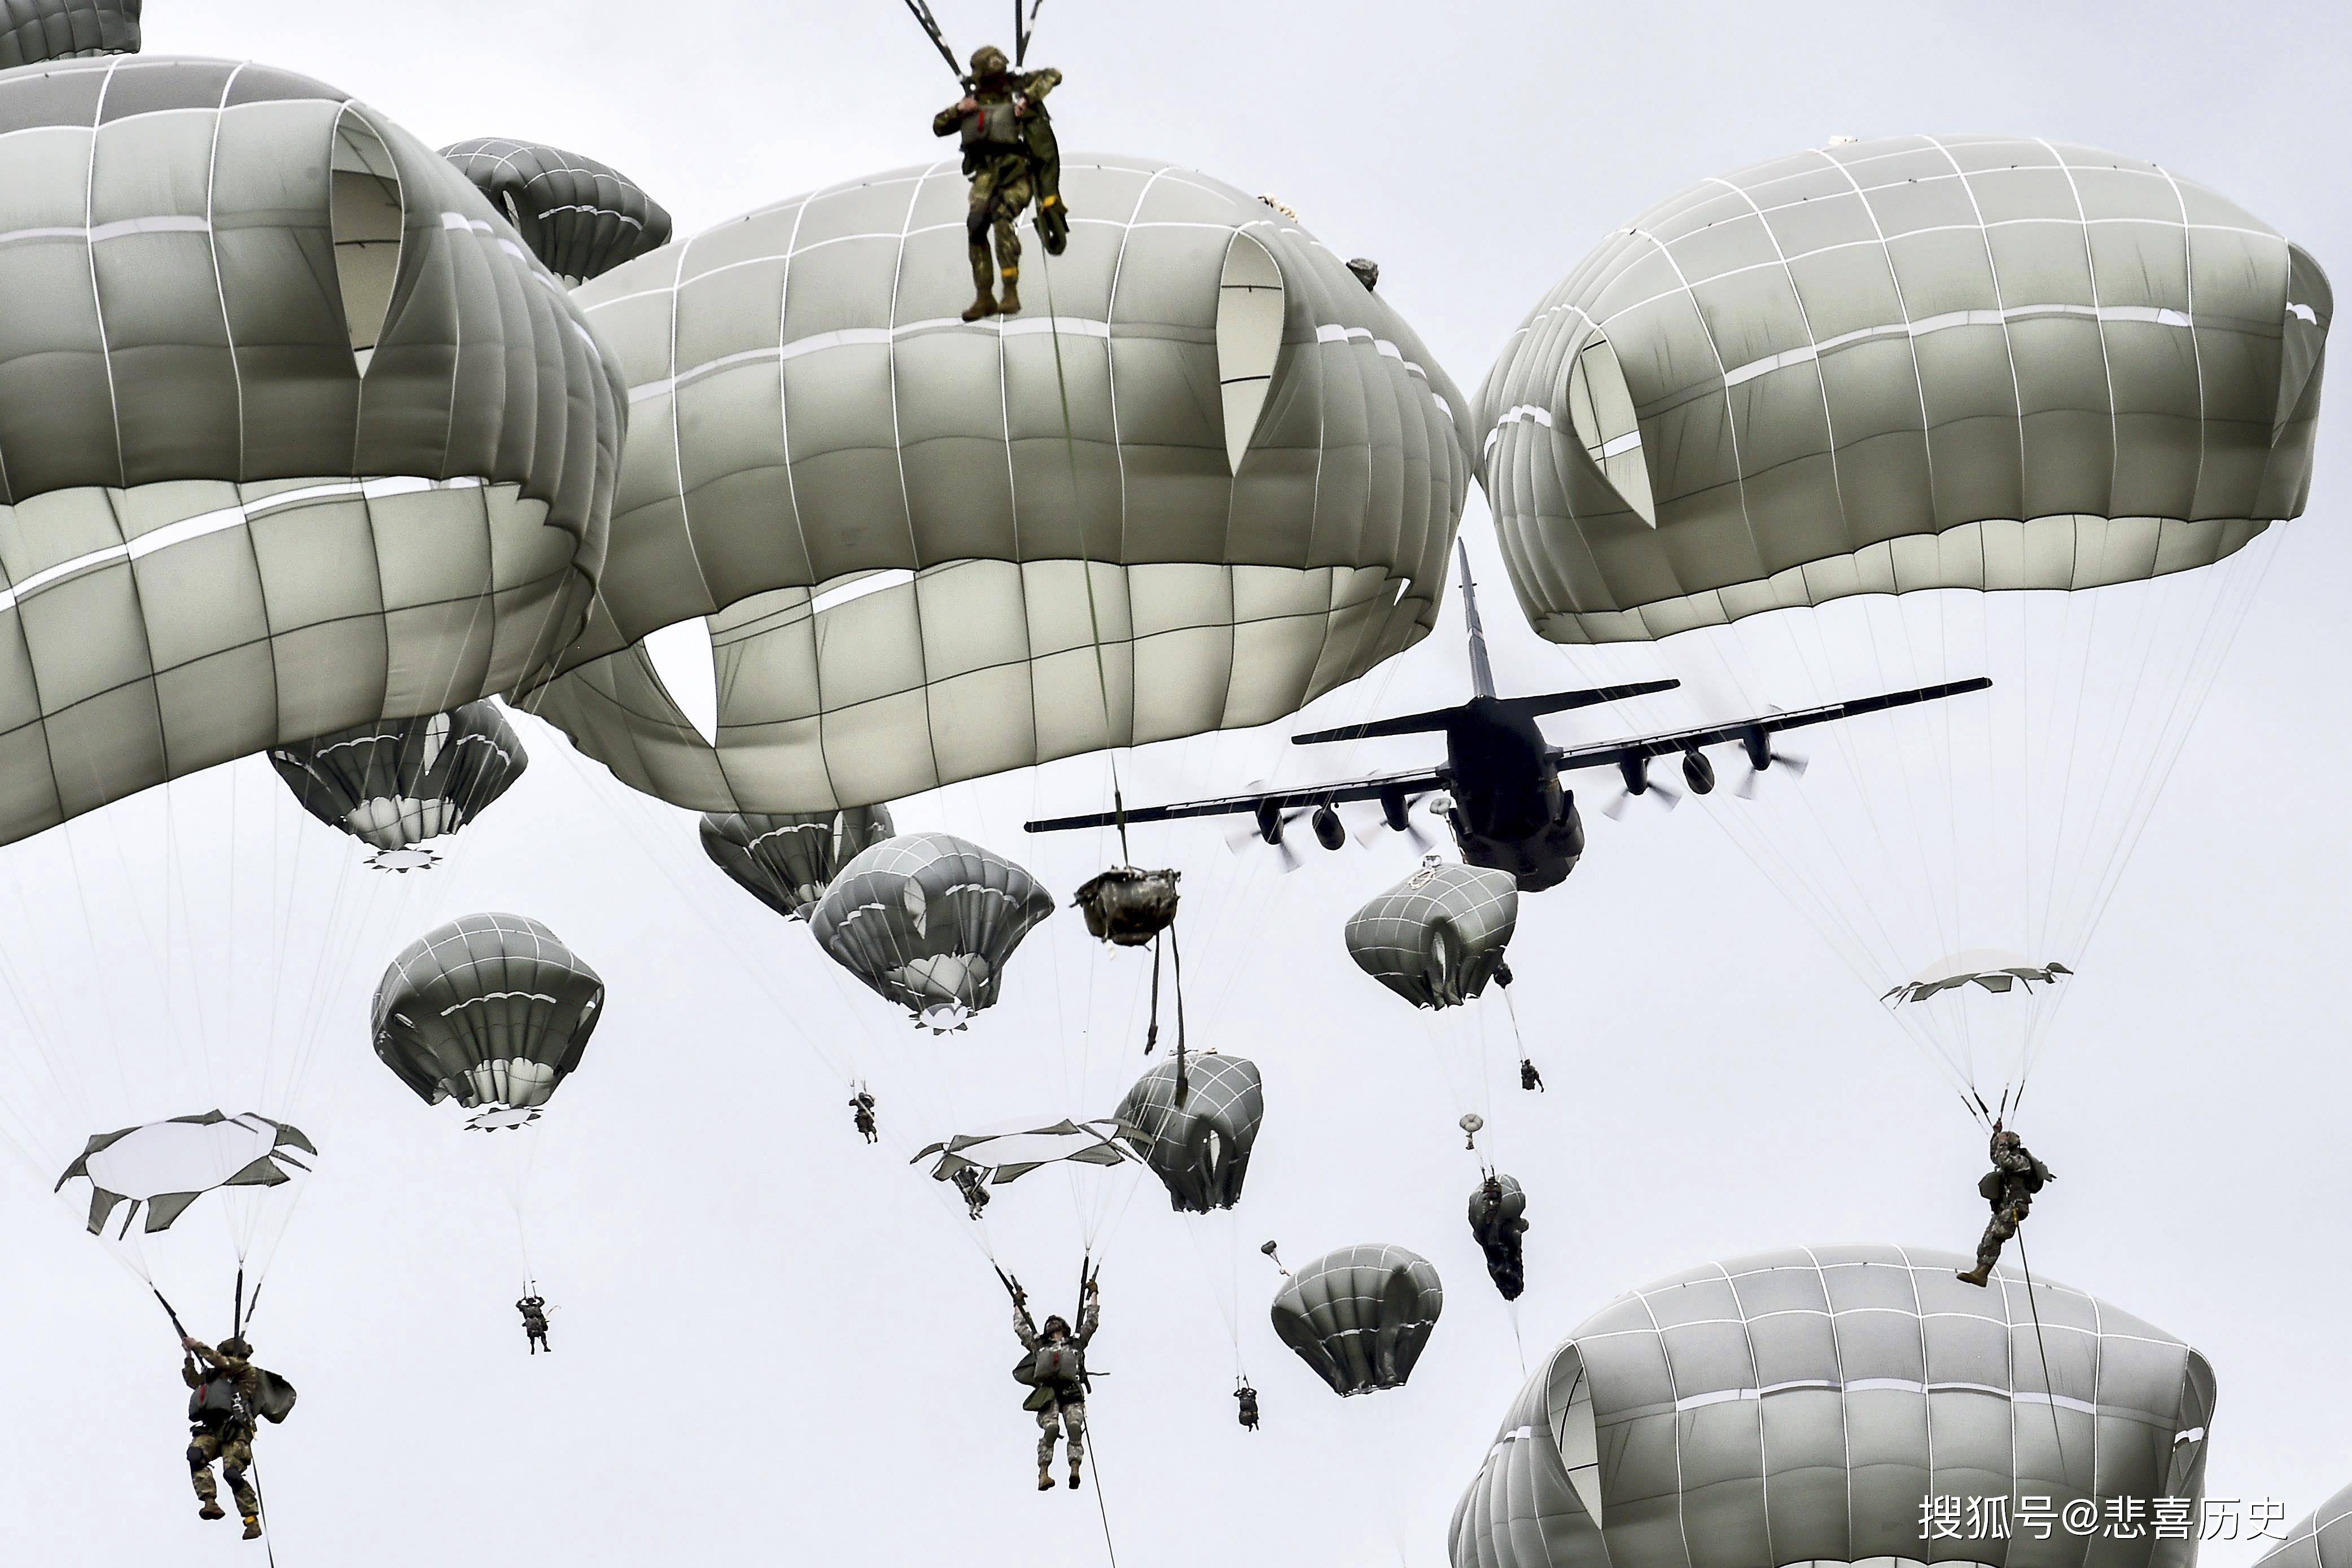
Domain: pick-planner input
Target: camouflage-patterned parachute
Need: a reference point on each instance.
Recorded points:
(579, 217)
(2321, 1539)
(491, 1010)
(1198, 1144)
(35, 31)
(1808, 1405)
(929, 921)
(1361, 1316)
(396, 783)
(926, 550)
(787, 862)
(1436, 938)
(293, 441)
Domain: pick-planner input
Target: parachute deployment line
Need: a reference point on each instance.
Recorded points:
(930, 24)
(1102, 1510)
(1085, 564)
(2049, 1391)
(1022, 31)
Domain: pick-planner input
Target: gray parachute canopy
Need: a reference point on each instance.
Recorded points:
(579, 217)
(1199, 1146)
(168, 1165)
(1217, 481)
(1911, 362)
(1799, 1406)
(788, 862)
(398, 781)
(1361, 1316)
(490, 1009)
(33, 31)
(290, 439)
(1437, 937)
(2321, 1539)
(928, 921)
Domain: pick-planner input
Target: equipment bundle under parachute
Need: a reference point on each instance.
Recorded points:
(1898, 412)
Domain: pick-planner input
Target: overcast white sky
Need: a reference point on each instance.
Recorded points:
(774, 1344)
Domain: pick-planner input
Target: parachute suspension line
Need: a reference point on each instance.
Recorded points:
(1078, 510)
(261, 1512)
(2049, 1391)
(1022, 31)
(1798, 882)
(1102, 1510)
(2217, 636)
(930, 23)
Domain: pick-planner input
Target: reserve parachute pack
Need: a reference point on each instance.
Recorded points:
(1053, 1372)
(993, 127)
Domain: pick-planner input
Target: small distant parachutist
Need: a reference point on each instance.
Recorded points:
(1247, 1405)
(533, 1309)
(2016, 1175)
(1471, 1124)
(1530, 1079)
(861, 1112)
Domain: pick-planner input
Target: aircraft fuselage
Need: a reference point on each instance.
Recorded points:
(1509, 812)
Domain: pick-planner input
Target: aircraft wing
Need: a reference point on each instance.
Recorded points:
(1641, 748)
(1303, 797)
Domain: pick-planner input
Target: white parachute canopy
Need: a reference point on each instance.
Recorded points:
(1012, 1151)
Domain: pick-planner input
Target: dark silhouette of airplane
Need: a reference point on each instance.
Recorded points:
(1505, 802)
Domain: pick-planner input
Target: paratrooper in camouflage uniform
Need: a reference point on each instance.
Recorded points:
(221, 1427)
(1010, 156)
(2016, 1175)
(1064, 1401)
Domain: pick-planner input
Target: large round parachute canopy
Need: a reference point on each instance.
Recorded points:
(1437, 938)
(787, 862)
(579, 217)
(2321, 1539)
(32, 32)
(1897, 412)
(290, 439)
(1198, 1141)
(929, 921)
(1208, 478)
(491, 1010)
(396, 783)
(165, 1167)
(1361, 1316)
(1802, 1406)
